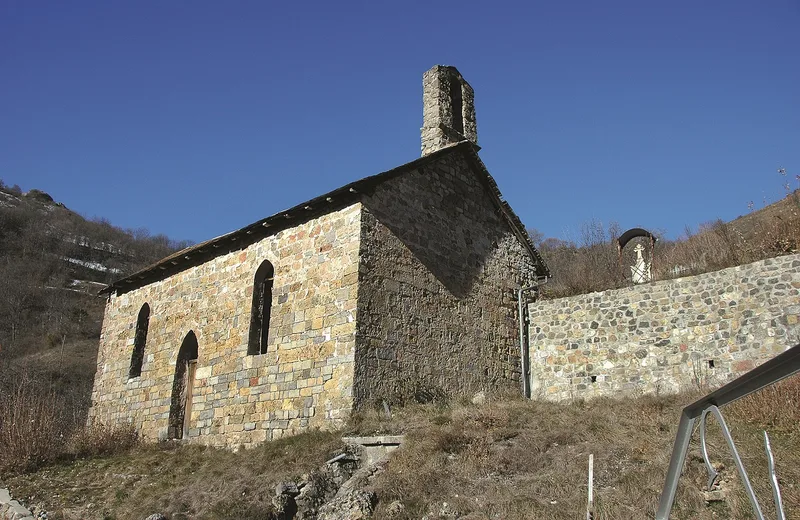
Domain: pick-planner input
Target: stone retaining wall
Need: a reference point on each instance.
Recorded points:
(665, 336)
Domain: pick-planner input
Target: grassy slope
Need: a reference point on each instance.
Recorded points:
(507, 459)
(783, 209)
(180, 481)
(76, 363)
(67, 371)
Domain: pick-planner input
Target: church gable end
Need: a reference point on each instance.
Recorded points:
(437, 309)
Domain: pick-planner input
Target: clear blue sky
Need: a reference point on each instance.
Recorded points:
(196, 118)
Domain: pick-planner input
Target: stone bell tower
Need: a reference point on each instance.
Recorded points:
(448, 109)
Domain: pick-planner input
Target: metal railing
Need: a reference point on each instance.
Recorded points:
(772, 371)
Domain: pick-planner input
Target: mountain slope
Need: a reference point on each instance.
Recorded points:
(53, 262)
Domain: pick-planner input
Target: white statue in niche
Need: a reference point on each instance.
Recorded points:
(640, 271)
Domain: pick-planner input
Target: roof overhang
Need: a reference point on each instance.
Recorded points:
(331, 201)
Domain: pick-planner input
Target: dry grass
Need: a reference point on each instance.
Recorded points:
(33, 426)
(178, 480)
(39, 425)
(514, 459)
(593, 264)
(96, 439)
(776, 408)
(507, 459)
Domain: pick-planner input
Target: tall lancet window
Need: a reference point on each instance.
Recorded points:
(262, 303)
(139, 339)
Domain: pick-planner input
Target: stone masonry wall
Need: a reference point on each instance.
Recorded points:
(665, 336)
(437, 308)
(304, 379)
(439, 117)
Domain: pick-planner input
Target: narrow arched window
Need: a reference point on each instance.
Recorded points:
(139, 339)
(259, 314)
(180, 410)
(457, 103)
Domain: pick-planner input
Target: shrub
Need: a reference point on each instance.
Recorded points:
(97, 439)
(39, 425)
(593, 264)
(33, 425)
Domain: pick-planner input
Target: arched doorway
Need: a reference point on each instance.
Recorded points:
(180, 409)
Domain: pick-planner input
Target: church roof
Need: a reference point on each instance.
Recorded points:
(331, 201)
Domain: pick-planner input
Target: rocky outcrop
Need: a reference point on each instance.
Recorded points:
(10, 509)
(356, 505)
(340, 489)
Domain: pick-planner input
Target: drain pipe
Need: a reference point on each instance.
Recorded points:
(523, 321)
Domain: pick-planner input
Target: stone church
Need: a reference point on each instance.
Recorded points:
(400, 286)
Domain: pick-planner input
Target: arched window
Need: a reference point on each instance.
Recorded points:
(137, 357)
(180, 410)
(259, 314)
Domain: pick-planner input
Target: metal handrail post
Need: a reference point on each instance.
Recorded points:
(524, 351)
(679, 451)
(777, 368)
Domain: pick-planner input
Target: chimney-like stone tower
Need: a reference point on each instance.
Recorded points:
(448, 109)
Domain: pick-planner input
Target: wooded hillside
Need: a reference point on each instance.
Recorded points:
(53, 262)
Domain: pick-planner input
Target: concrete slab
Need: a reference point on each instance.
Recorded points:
(375, 448)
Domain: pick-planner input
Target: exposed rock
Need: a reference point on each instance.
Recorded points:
(318, 488)
(39, 195)
(285, 507)
(287, 488)
(360, 479)
(373, 449)
(717, 495)
(479, 398)
(10, 509)
(331, 492)
(356, 505)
